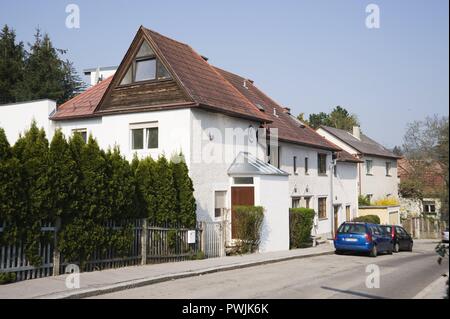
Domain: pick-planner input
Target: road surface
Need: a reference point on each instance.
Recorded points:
(402, 275)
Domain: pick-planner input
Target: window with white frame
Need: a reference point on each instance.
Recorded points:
(388, 168)
(369, 166)
(219, 203)
(82, 132)
(144, 136)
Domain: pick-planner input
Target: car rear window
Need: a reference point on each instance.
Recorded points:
(352, 228)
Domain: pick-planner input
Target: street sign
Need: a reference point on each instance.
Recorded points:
(191, 237)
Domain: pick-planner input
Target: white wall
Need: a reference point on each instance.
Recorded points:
(211, 159)
(111, 130)
(16, 118)
(378, 184)
(270, 193)
(345, 189)
(311, 184)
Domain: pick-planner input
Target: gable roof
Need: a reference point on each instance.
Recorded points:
(205, 87)
(289, 128)
(365, 145)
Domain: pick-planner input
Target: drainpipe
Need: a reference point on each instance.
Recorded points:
(332, 165)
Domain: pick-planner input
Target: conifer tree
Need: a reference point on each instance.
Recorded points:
(12, 56)
(165, 196)
(145, 180)
(62, 177)
(33, 154)
(185, 202)
(46, 75)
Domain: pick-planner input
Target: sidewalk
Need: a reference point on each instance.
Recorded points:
(106, 281)
(436, 290)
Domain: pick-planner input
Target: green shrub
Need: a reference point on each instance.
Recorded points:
(363, 200)
(300, 225)
(248, 223)
(198, 255)
(7, 277)
(373, 219)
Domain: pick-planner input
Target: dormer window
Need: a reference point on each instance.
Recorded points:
(145, 67)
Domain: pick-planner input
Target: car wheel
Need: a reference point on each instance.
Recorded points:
(410, 247)
(396, 247)
(389, 252)
(373, 252)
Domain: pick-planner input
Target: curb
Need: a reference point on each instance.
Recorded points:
(154, 280)
(432, 287)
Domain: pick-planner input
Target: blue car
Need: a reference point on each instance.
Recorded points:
(362, 237)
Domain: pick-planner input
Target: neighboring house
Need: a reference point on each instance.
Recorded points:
(165, 98)
(377, 174)
(433, 182)
(345, 187)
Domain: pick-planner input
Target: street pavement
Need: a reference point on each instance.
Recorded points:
(402, 275)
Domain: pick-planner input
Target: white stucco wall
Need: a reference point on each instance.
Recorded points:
(311, 184)
(211, 159)
(111, 130)
(378, 183)
(17, 117)
(345, 190)
(270, 193)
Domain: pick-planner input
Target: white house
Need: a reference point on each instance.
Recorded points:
(241, 147)
(377, 173)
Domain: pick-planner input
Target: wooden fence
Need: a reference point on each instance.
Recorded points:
(151, 244)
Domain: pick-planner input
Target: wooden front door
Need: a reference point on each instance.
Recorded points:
(336, 219)
(240, 196)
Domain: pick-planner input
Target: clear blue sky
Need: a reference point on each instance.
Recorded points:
(308, 55)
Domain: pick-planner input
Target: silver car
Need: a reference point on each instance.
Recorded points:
(445, 236)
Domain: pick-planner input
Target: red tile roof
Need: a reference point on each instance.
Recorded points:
(84, 104)
(289, 128)
(204, 84)
(210, 88)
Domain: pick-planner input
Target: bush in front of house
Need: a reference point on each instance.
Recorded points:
(363, 200)
(300, 225)
(96, 195)
(386, 201)
(248, 222)
(373, 219)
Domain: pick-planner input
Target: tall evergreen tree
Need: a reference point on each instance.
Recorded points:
(165, 195)
(11, 65)
(32, 152)
(339, 118)
(185, 205)
(46, 75)
(145, 179)
(5, 148)
(62, 177)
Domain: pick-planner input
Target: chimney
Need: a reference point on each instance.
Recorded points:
(357, 132)
(287, 110)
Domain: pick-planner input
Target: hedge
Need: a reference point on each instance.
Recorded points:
(87, 189)
(300, 225)
(248, 222)
(373, 219)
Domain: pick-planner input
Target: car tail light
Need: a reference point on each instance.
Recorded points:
(368, 237)
(392, 233)
(336, 236)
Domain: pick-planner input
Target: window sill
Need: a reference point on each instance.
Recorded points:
(154, 81)
(323, 218)
(322, 174)
(369, 174)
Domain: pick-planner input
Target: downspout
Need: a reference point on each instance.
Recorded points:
(332, 165)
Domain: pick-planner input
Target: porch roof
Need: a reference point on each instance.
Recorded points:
(247, 164)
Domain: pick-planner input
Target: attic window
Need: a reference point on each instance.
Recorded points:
(145, 67)
(260, 107)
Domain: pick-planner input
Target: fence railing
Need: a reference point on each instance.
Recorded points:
(424, 228)
(150, 244)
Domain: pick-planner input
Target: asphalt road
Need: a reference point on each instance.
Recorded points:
(402, 275)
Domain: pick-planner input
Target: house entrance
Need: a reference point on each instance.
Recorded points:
(240, 195)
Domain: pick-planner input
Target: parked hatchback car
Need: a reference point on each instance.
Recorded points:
(362, 237)
(401, 240)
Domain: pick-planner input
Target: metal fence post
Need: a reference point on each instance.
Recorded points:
(144, 241)
(203, 240)
(56, 252)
